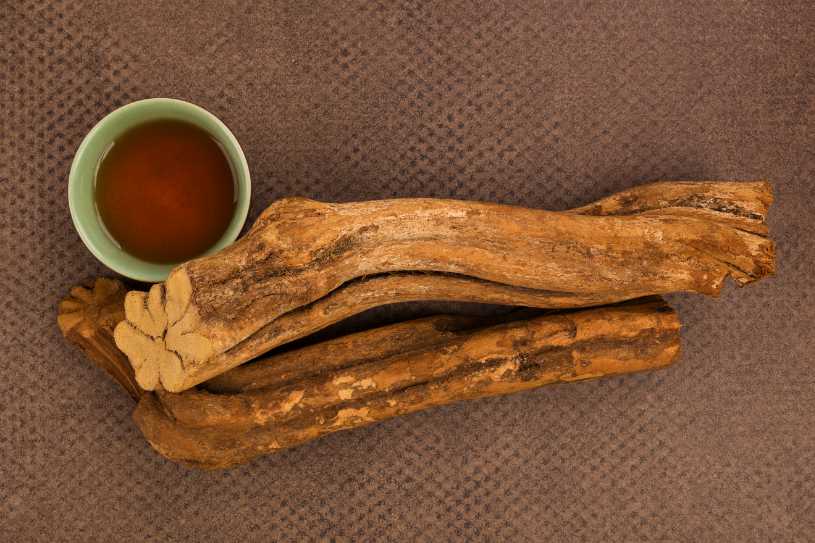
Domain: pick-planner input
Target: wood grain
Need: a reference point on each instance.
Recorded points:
(217, 312)
(216, 431)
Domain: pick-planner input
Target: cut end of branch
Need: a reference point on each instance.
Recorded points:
(87, 318)
(157, 334)
(179, 293)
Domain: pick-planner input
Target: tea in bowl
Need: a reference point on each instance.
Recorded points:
(155, 183)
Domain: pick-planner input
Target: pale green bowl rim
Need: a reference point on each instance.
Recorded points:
(89, 225)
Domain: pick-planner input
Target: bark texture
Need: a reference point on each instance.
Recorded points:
(305, 264)
(220, 430)
(342, 352)
(87, 318)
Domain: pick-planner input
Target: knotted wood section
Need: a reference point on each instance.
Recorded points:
(292, 273)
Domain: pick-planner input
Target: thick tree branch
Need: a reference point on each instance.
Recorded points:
(287, 276)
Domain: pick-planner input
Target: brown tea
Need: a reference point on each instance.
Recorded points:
(165, 191)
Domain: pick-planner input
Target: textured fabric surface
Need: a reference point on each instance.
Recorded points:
(544, 104)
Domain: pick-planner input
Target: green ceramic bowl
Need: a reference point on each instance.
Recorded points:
(82, 179)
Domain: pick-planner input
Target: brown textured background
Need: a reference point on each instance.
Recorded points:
(545, 104)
